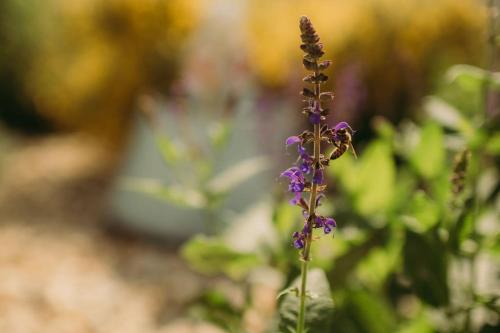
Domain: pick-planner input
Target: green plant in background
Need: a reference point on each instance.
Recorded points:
(191, 161)
(307, 176)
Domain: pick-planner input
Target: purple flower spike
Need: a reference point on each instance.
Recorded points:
(292, 140)
(318, 176)
(314, 118)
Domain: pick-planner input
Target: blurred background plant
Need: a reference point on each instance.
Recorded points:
(189, 102)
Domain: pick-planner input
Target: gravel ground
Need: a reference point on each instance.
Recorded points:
(62, 268)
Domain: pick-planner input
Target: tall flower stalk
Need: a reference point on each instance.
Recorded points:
(306, 176)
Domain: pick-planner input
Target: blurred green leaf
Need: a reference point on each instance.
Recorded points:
(380, 262)
(421, 324)
(168, 150)
(348, 262)
(472, 78)
(285, 216)
(364, 312)
(237, 174)
(423, 213)
(319, 305)
(429, 155)
(426, 265)
(369, 180)
(375, 176)
(493, 145)
(175, 195)
(384, 128)
(219, 133)
(462, 229)
(213, 256)
(448, 116)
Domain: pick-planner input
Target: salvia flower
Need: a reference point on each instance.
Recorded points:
(307, 175)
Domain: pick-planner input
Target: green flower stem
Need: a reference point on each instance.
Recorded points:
(307, 248)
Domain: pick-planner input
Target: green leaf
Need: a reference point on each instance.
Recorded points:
(473, 78)
(463, 228)
(346, 263)
(167, 148)
(237, 174)
(213, 256)
(493, 145)
(364, 312)
(369, 180)
(429, 155)
(175, 195)
(421, 324)
(426, 265)
(319, 309)
(375, 180)
(448, 116)
(289, 290)
(219, 133)
(423, 213)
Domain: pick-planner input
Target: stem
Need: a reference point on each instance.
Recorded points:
(312, 211)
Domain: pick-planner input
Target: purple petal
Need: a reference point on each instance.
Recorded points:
(314, 118)
(330, 222)
(298, 243)
(293, 139)
(343, 125)
(319, 221)
(327, 229)
(305, 167)
(296, 187)
(296, 198)
(318, 176)
(292, 172)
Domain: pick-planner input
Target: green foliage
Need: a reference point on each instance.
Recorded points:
(319, 305)
(364, 312)
(213, 256)
(428, 155)
(426, 264)
(370, 180)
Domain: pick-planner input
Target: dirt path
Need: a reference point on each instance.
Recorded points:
(61, 268)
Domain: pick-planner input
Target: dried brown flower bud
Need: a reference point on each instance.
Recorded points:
(308, 93)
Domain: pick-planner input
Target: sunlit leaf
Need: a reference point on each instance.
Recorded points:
(423, 213)
(167, 148)
(421, 324)
(375, 180)
(237, 174)
(213, 256)
(447, 115)
(472, 78)
(219, 134)
(429, 154)
(493, 145)
(175, 195)
(319, 308)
